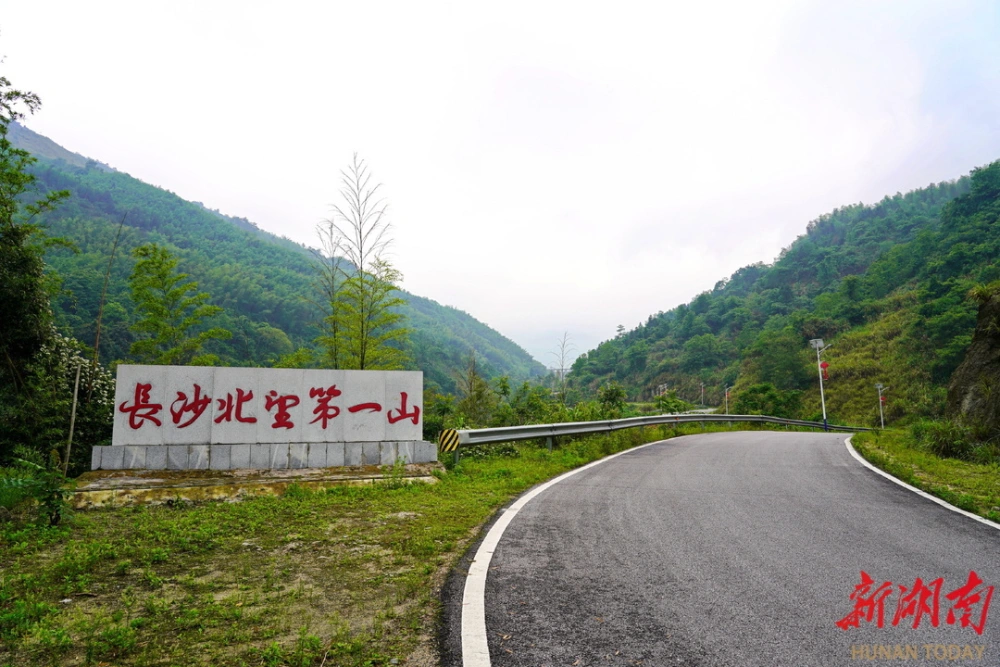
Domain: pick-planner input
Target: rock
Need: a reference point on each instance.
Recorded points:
(974, 392)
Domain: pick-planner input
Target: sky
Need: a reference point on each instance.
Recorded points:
(550, 168)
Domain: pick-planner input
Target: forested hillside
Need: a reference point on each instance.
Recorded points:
(886, 284)
(264, 283)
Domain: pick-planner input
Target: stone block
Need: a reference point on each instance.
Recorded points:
(387, 453)
(239, 457)
(112, 458)
(398, 383)
(186, 386)
(236, 399)
(177, 457)
(352, 453)
(220, 457)
(135, 457)
(317, 455)
(334, 454)
(199, 456)
(260, 457)
(424, 452)
(146, 432)
(276, 384)
(371, 453)
(333, 429)
(156, 457)
(366, 425)
(95, 458)
(404, 451)
(279, 456)
(298, 455)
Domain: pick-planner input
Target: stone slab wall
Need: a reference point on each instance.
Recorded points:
(261, 456)
(199, 417)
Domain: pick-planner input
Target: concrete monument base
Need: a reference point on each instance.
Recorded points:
(261, 456)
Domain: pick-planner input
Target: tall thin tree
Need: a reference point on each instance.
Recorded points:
(364, 305)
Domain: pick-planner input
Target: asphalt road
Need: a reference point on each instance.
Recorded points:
(729, 549)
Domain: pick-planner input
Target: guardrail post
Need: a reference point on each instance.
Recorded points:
(548, 442)
(456, 457)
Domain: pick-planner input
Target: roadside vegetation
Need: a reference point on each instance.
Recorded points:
(344, 577)
(941, 459)
(350, 576)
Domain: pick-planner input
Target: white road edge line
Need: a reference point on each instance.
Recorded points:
(917, 491)
(475, 649)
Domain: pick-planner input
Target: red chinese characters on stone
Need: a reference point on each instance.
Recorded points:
(970, 603)
(324, 411)
(228, 408)
(142, 409)
(400, 413)
(371, 407)
(282, 418)
(190, 406)
(196, 406)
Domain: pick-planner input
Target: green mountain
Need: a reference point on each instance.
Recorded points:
(263, 282)
(887, 284)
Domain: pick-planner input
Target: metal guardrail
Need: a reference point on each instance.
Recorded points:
(483, 436)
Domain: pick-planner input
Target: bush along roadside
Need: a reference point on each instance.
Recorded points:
(971, 483)
(33, 492)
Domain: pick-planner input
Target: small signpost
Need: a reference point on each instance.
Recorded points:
(448, 440)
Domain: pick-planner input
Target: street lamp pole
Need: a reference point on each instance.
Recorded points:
(702, 394)
(727, 399)
(881, 415)
(817, 344)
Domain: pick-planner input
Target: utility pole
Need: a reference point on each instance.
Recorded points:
(817, 344)
(72, 418)
(881, 415)
(727, 399)
(702, 394)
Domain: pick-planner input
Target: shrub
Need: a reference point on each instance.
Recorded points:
(947, 439)
(28, 482)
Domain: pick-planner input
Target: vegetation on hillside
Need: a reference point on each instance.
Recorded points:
(264, 284)
(249, 583)
(38, 365)
(886, 284)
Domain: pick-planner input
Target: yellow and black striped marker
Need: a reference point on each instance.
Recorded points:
(448, 440)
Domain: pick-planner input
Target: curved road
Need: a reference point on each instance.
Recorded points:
(729, 549)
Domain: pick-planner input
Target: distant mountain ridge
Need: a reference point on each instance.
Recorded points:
(263, 281)
(888, 284)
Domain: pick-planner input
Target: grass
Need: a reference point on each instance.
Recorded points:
(343, 577)
(879, 351)
(974, 487)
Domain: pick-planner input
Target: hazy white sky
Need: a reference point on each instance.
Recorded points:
(550, 166)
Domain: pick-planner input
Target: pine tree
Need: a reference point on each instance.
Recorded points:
(170, 311)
